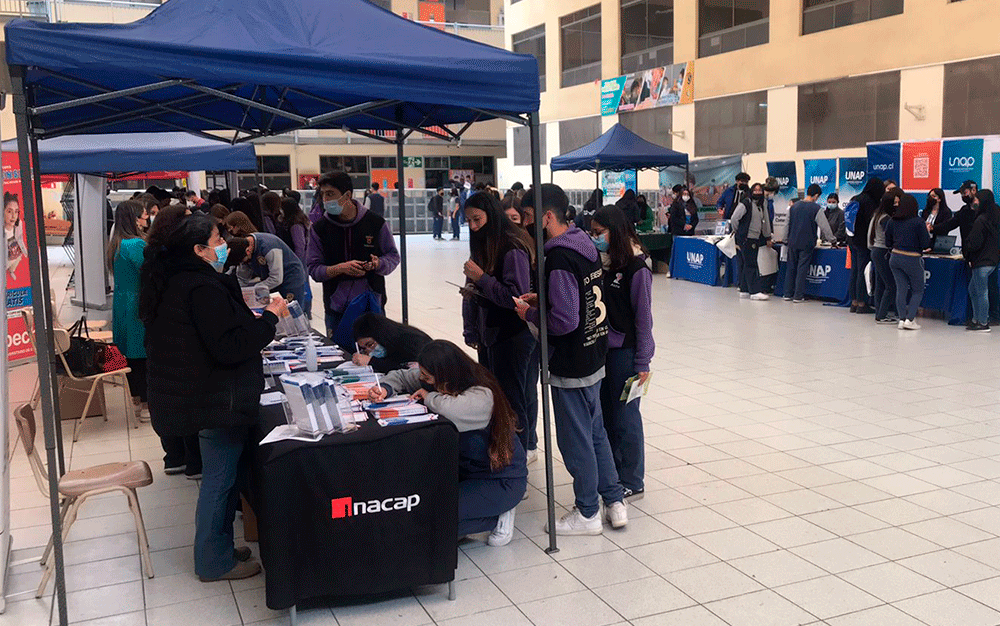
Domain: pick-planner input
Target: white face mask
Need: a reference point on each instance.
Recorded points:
(686, 198)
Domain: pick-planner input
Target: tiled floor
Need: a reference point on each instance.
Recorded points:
(804, 466)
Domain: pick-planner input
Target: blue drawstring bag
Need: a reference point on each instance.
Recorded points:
(368, 302)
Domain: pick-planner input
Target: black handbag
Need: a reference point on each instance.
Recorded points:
(85, 356)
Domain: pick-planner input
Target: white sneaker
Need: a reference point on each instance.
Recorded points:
(901, 325)
(760, 297)
(504, 531)
(532, 456)
(616, 514)
(574, 523)
(911, 325)
(744, 295)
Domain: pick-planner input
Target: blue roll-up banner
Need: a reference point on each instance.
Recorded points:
(822, 172)
(883, 161)
(961, 160)
(851, 181)
(784, 171)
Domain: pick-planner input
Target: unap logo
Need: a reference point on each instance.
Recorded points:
(819, 271)
(819, 180)
(347, 507)
(883, 167)
(854, 176)
(783, 180)
(695, 259)
(966, 161)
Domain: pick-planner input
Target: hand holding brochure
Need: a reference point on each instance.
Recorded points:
(634, 389)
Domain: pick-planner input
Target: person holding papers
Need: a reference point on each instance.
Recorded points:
(492, 472)
(628, 297)
(803, 219)
(385, 344)
(205, 374)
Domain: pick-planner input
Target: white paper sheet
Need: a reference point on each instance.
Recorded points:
(638, 389)
(274, 397)
(288, 432)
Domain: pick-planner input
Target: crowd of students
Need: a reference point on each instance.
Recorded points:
(194, 345)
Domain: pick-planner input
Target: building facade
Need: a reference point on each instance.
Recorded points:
(774, 80)
(293, 160)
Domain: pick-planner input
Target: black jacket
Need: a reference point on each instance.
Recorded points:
(961, 219)
(203, 353)
(868, 201)
(678, 217)
(982, 248)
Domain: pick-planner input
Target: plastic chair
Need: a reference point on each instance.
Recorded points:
(77, 485)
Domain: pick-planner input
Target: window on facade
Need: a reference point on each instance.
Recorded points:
(480, 165)
(275, 172)
(532, 41)
(436, 162)
(819, 15)
(652, 125)
(727, 25)
(647, 34)
(522, 144)
(355, 166)
(850, 112)
(577, 133)
(581, 46)
(972, 98)
(383, 162)
(467, 11)
(733, 125)
(385, 4)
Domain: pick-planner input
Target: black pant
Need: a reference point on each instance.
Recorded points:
(137, 378)
(509, 360)
(796, 271)
(860, 257)
(750, 281)
(184, 451)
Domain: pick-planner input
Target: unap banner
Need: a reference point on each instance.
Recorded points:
(17, 276)
(648, 89)
(784, 171)
(822, 172)
(852, 178)
(883, 161)
(924, 165)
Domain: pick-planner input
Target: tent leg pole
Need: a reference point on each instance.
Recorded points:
(405, 300)
(60, 452)
(536, 184)
(42, 311)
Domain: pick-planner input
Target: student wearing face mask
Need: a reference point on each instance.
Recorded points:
(835, 217)
(884, 292)
(628, 296)
(499, 270)
(492, 474)
(267, 260)
(753, 230)
(385, 344)
(683, 215)
(205, 375)
(350, 250)
(982, 251)
(732, 196)
(936, 211)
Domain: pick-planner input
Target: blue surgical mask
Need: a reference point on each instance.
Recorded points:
(601, 242)
(831, 205)
(333, 207)
(378, 352)
(221, 254)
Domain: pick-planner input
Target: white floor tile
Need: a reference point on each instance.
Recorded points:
(828, 597)
(713, 582)
(764, 608)
(949, 568)
(891, 582)
(949, 608)
(405, 611)
(582, 608)
(537, 582)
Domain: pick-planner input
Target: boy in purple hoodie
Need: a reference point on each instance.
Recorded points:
(351, 250)
(578, 345)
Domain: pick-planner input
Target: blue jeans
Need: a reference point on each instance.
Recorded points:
(481, 502)
(623, 422)
(796, 271)
(221, 449)
(438, 225)
(509, 361)
(908, 271)
(584, 445)
(456, 226)
(979, 293)
(885, 284)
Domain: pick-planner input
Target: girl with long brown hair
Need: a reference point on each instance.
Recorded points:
(492, 474)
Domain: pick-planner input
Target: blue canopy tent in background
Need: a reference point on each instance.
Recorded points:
(618, 150)
(139, 152)
(222, 65)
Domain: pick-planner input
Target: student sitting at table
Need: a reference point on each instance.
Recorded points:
(492, 473)
(385, 344)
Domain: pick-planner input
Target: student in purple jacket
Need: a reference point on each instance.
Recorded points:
(628, 298)
(350, 250)
(499, 270)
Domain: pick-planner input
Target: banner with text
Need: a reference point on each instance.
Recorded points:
(822, 172)
(946, 163)
(614, 184)
(851, 181)
(787, 194)
(883, 161)
(708, 179)
(648, 89)
(921, 165)
(961, 160)
(17, 275)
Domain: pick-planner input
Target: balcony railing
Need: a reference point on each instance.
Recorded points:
(483, 33)
(736, 38)
(53, 9)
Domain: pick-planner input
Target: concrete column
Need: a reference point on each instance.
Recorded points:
(611, 38)
(686, 35)
(90, 238)
(921, 87)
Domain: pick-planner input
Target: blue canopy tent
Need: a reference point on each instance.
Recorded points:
(618, 150)
(222, 65)
(139, 152)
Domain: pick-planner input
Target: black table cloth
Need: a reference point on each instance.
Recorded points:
(367, 512)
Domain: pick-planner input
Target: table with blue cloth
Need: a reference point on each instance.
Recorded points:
(947, 287)
(697, 260)
(828, 279)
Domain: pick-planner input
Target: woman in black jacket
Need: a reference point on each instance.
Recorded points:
(386, 345)
(868, 201)
(683, 214)
(982, 251)
(936, 211)
(205, 375)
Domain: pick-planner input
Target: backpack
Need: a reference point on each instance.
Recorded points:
(851, 216)
(367, 302)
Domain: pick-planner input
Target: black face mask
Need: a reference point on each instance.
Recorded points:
(743, 187)
(758, 197)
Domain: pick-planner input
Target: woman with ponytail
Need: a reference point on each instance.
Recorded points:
(492, 474)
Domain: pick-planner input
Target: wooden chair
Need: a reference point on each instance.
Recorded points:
(78, 485)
